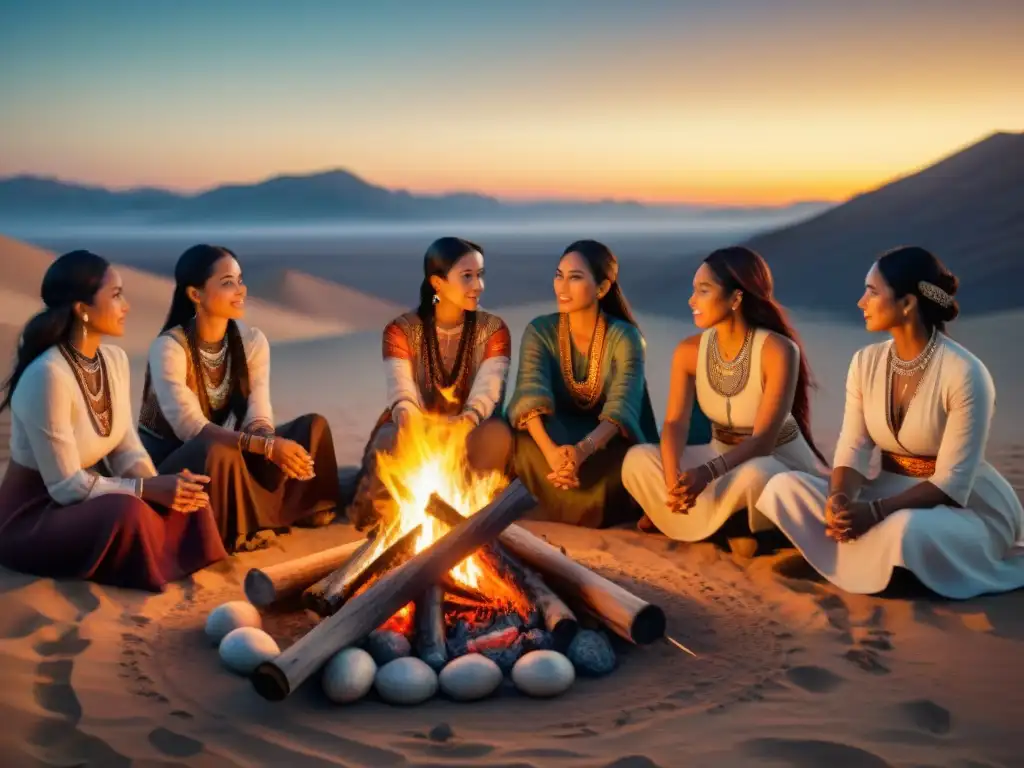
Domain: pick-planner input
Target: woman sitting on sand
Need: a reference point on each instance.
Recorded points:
(581, 399)
(206, 408)
(751, 379)
(446, 358)
(70, 400)
(936, 507)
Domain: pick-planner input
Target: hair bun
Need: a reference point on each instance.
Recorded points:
(948, 282)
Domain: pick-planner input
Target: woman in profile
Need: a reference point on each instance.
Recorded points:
(206, 408)
(70, 401)
(750, 376)
(581, 399)
(924, 405)
(447, 358)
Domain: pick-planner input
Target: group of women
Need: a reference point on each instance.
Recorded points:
(207, 471)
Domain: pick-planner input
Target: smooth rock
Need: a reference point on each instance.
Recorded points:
(245, 648)
(538, 640)
(229, 616)
(542, 674)
(591, 653)
(506, 658)
(406, 681)
(470, 677)
(348, 676)
(385, 646)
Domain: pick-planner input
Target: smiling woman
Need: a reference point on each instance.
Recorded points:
(581, 395)
(81, 498)
(447, 358)
(206, 408)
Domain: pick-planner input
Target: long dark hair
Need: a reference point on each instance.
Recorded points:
(604, 266)
(73, 277)
(194, 268)
(743, 269)
(906, 267)
(438, 261)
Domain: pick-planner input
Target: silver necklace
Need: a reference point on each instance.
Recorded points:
(910, 367)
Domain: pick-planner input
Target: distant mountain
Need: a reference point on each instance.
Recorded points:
(330, 196)
(967, 208)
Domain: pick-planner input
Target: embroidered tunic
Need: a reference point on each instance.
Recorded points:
(466, 373)
(172, 409)
(52, 429)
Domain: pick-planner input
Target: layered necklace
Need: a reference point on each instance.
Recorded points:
(585, 393)
(904, 371)
(91, 375)
(213, 362)
(729, 377)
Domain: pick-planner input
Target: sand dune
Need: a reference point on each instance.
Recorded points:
(150, 296)
(320, 298)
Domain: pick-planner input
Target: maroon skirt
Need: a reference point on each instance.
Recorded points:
(114, 539)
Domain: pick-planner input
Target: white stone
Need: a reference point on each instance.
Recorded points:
(406, 681)
(542, 674)
(229, 616)
(245, 648)
(348, 676)
(470, 677)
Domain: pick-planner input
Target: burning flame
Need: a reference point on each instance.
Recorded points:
(430, 457)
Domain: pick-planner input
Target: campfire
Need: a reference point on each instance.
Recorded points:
(447, 574)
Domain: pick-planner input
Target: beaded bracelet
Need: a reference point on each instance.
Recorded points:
(712, 467)
(268, 448)
(581, 445)
(876, 510)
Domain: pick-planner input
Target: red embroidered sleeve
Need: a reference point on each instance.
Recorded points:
(396, 343)
(499, 344)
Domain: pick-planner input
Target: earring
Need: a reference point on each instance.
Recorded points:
(85, 331)
(436, 299)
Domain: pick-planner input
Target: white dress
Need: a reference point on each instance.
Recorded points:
(959, 552)
(642, 470)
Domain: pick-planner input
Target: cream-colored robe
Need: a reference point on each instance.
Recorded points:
(959, 552)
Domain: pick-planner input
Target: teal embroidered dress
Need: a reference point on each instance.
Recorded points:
(611, 387)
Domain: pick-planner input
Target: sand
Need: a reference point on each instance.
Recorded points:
(790, 671)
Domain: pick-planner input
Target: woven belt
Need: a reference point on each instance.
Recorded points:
(735, 436)
(908, 466)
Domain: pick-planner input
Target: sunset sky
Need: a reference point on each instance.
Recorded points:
(749, 101)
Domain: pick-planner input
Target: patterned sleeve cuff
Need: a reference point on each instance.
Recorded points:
(530, 415)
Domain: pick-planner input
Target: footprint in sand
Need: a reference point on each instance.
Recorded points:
(866, 659)
(928, 716)
(811, 753)
(174, 744)
(814, 679)
(633, 761)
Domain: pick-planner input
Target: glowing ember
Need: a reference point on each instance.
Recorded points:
(430, 457)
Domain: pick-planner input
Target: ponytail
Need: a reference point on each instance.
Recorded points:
(182, 309)
(426, 306)
(50, 327)
(614, 304)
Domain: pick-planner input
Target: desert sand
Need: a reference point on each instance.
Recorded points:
(789, 671)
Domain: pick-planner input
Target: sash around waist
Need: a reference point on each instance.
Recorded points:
(908, 466)
(736, 435)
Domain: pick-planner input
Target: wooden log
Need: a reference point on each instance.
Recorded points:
(327, 595)
(559, 620)
(276, 679)
(265, 586)
(430, 628)
(620, 610)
